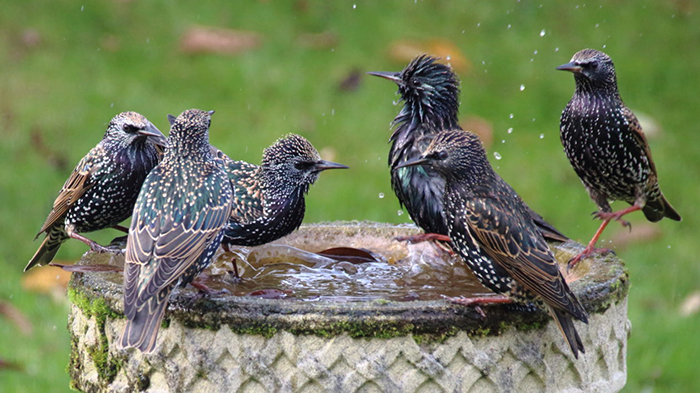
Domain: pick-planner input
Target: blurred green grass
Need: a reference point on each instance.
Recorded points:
(68, 67)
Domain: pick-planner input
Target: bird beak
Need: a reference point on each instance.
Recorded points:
(392, 76)
(322, 165)
(572, 67)
(417, 161)
(154, 135)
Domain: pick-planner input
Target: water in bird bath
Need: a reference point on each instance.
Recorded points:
(291, 267)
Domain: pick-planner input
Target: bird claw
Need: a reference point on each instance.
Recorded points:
(585, 254)
(105, 250)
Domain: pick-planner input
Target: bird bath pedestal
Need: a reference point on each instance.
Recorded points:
(251, 344)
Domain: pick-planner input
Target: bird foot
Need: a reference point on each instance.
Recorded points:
(204, 290)
(94, 247)
(588, 252)
(617, 216)
(424, 237)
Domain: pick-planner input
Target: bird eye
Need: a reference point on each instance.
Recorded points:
(303, 165)
(130, 128)
(442, 155)
(416, 83)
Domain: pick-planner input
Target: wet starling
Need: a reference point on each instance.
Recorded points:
(492, 230)
(177, 226)
(102, 189)
(430, 92)
(606, 146)
(268, 199)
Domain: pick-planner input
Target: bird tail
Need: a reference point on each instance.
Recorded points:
(49, 247)
(656, 209)
(144, 322)
(566, 326)
(547, 230)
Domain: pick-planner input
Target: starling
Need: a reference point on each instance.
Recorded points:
(176, 227)
(268, 199)
(606, 146)
(493, 231)
(102, 189)
(430, 92)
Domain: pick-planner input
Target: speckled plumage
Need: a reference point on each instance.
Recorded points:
(605, 144)
(102, 189)
(176, 228)
(430, 92)
(492, 230)
(269, 199)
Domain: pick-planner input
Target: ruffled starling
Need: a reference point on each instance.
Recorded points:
(492, 230)
(102, 189)
(606, 146)
(176, 227)
(430, 92)
(269, 199)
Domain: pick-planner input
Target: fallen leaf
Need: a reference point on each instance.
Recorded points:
(349, 254)
(325, 40)
(481, 127)
(352, 81)
(218, 40)
(16, 317)
(46, 280)
(404, 51)
(690, 305)
(642, 232)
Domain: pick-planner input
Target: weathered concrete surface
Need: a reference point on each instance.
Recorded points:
(287, 345)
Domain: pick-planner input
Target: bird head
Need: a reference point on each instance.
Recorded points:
(591, 68)
(455, 154)
(190, 130)
(427, 87)
(131, 128)
(294, 162)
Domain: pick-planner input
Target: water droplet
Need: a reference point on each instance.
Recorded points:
(509, 26)
(605, 46)
(669, 246)
(111, 105)
(510, 130)
(503, 141)
(478, 24)
(381, 195)
(535, 52)
(82, 8)
(399, 212)
(541, 136)
(332, 112)
(497, 155)
(534, 119)
(354, 6)
(54, 328)
(556, 49)
(522, 87)
(511, 115)
(448, 57)
(542, 33)
(597, 25)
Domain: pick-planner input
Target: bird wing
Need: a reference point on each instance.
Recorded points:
(509, 237)
(638, 135)
(170, 231)
(79, 181)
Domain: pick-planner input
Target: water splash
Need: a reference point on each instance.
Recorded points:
(381, 195)
(522, 87)
(542, 33)
(497, 155)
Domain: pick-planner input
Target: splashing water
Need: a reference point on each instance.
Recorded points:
(497, 155)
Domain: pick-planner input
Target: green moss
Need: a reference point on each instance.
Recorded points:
(106, 365)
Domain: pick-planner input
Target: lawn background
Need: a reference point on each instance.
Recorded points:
(67, 67)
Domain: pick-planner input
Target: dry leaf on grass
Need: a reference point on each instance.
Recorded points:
(217, 40)
(690, 305)
(7, 310)
(46, 280)
(447, 51)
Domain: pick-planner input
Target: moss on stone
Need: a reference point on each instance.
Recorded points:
(107, 367)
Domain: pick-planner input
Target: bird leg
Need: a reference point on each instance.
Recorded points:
(92, 244)
(606, 217)
(423, 237)
(236, 276)
(121, 228)
(204, 290)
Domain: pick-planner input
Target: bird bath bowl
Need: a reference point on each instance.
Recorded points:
(412, 341)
